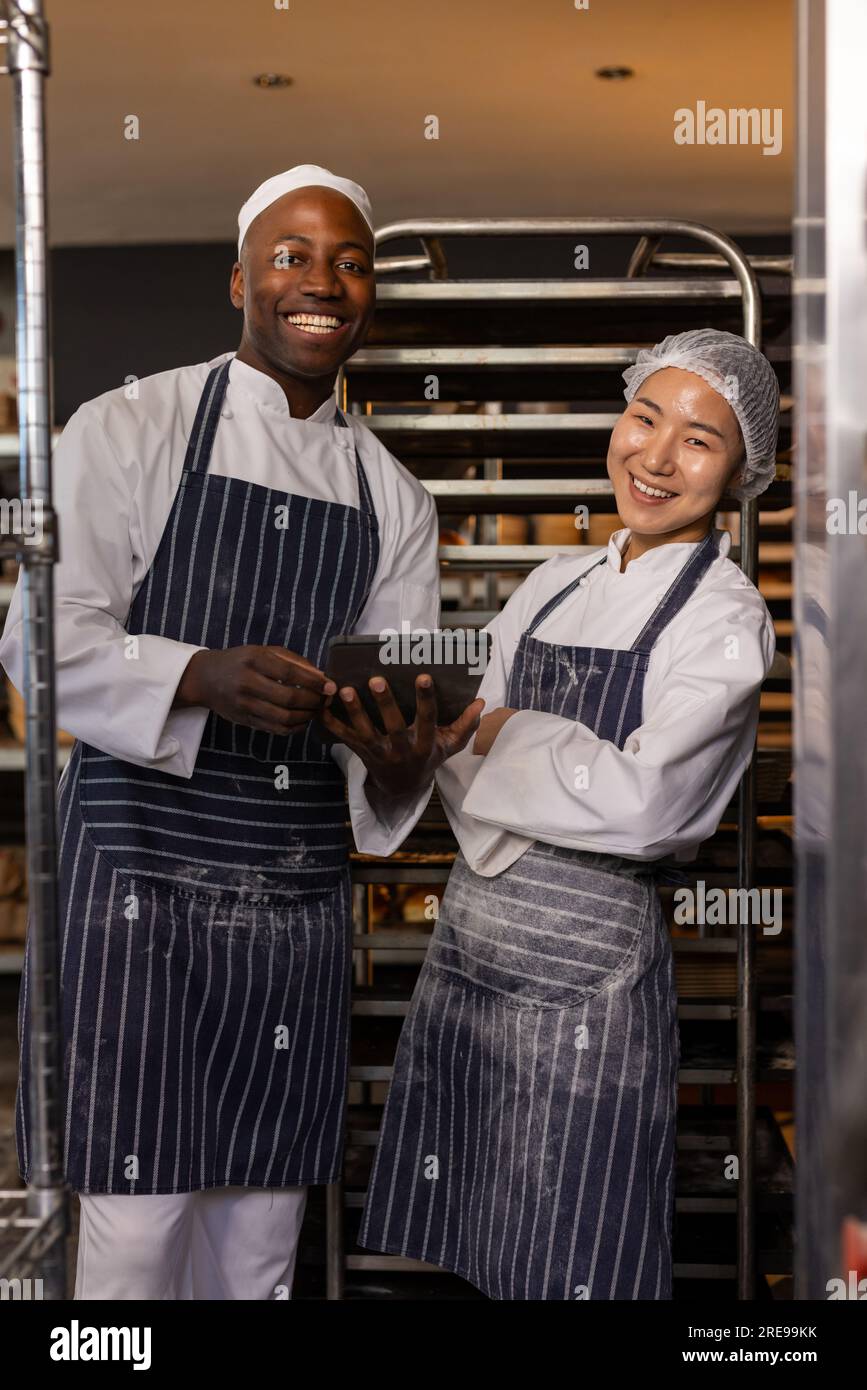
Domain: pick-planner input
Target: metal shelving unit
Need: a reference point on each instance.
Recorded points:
(383, 382)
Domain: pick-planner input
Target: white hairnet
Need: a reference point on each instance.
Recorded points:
(741, 374)
(300, 176)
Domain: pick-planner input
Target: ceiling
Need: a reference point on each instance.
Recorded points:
(525, 126)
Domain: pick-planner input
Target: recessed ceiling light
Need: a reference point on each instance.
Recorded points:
(615, 74)
(272, 79)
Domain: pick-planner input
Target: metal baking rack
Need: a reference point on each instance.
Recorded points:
(523, 461)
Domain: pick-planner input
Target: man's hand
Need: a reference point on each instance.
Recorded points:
(265, 688)
(405, 757)
(489, 727)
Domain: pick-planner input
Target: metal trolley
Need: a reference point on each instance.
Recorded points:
(365, 381)
(44, 1222)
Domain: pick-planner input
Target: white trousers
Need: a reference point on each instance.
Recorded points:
(225, 1243)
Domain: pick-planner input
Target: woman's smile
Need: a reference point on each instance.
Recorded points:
(650, 494)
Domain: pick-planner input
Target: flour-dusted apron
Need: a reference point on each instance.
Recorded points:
(205, 922)
(528, 1138)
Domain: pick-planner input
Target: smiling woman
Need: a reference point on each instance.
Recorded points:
(688, 438)
(537, 1068)
(738, 374)
(671, 456)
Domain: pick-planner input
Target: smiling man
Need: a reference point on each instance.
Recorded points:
(220, 523)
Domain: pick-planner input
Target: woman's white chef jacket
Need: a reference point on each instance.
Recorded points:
(117, 467)
(548, 778)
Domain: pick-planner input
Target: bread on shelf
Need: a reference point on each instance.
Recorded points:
(16, 717)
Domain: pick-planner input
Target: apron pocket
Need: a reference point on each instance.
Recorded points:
(225, 834)
(226, 917)
(544, 933)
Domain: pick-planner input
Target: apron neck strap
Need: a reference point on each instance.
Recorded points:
(365, 497)
(563, 594)
(207, 418)
(678, 593)
(210, 406)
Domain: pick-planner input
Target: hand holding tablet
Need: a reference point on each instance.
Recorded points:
(396, 731)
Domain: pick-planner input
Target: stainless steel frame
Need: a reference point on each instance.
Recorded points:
(720, 252)
(830, 297)
(42, 1246)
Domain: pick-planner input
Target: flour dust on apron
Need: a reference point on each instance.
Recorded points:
(528, 1139)
(205, 922)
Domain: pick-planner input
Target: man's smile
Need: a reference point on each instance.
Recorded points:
(317, 325)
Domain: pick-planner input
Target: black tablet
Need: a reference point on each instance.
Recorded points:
(455, 658)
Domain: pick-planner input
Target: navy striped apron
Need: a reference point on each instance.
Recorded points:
(205, 922)
(528, 1138)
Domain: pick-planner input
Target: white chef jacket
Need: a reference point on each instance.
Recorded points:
(549, 778)
(117, 467)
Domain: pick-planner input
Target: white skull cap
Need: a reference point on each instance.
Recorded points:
(300, 176)
(742, 375)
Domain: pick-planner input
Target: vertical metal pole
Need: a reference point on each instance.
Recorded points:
(27, 46)
(746, 1007)
(811, 679)
(745, 1107)
(831, 653)
(492, 469)
(335, 1241)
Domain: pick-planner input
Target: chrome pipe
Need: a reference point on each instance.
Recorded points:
(28, 63)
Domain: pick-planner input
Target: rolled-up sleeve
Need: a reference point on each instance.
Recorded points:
(114, 690)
